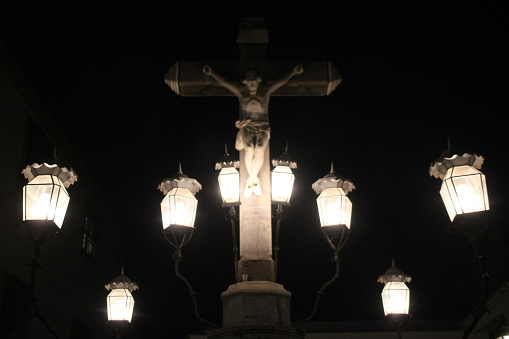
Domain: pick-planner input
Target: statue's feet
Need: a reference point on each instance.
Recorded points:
(257, 189)
(248, 191)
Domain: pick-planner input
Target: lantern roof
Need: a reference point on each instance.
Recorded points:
(68, 177)
(284, 159)
(331, 180)
(394, 274)
(179, 180)
(439, 167)
(227, 161)
(122, 281)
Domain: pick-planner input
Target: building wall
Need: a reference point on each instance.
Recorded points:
(70, 286)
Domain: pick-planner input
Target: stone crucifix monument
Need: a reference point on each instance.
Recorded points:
(256, 300)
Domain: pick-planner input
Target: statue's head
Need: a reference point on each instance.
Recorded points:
(252, 79)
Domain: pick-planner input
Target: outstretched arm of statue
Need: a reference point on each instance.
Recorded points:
(278, 83)
(230, 85)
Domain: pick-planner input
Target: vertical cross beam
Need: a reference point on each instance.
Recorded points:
(215, 79)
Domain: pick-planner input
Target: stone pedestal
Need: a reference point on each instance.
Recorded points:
(256, 309)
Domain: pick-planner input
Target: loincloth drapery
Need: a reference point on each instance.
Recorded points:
(253, 127)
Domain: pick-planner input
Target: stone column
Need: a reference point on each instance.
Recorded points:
(256, 262)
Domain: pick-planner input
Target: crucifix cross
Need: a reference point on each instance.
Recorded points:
(245, 79)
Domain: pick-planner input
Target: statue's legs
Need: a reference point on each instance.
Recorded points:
(254, 142)
(248, 159)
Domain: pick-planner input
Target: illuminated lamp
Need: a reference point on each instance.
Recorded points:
(178, 208)
(282, 178)
(464, 186)
(45, 198)
(229, 179)
(334, 207)
(395, 295)
(120, 302)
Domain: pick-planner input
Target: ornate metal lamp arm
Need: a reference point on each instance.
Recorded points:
(278, 215)
(320, 293)
(39, 313)
(233, 216)
(481, 309)
(177, 258)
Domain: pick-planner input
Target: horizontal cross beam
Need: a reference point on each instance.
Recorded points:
(186, 78)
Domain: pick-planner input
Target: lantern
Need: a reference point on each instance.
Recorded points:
(334, 207)
(464, 186)
(120, 302)
(395, 294)
(282, 178)
(45, 197)
(229, 179)
(178, 208)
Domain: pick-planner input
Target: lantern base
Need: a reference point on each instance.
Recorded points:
(471, 224)
(229, 204)
(397, 320)
(332, 230)
(120, 327)
(41, 231)
(179, 229)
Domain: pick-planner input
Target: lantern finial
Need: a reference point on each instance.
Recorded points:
(179, 180)
(284, 159)
(226, 160)
(393, 274)
(332, 180)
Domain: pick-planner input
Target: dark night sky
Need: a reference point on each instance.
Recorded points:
(413, 75)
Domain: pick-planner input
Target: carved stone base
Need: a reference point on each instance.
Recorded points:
(255, 304)
(255, 332)
(255, 270)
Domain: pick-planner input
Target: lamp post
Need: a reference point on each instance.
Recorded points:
(120, 303)
(465, 196)
(45, 201)
(282, 180)
(395, 296)
(335, 210)
(178, 211)
(229, 186)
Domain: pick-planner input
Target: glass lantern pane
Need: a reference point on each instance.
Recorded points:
(179, 208)
(120, 304)
(282, 184)
(334, 207)
(464, 191)
(45, 198)
(396, 298)
(448, 202)
(229, 185)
